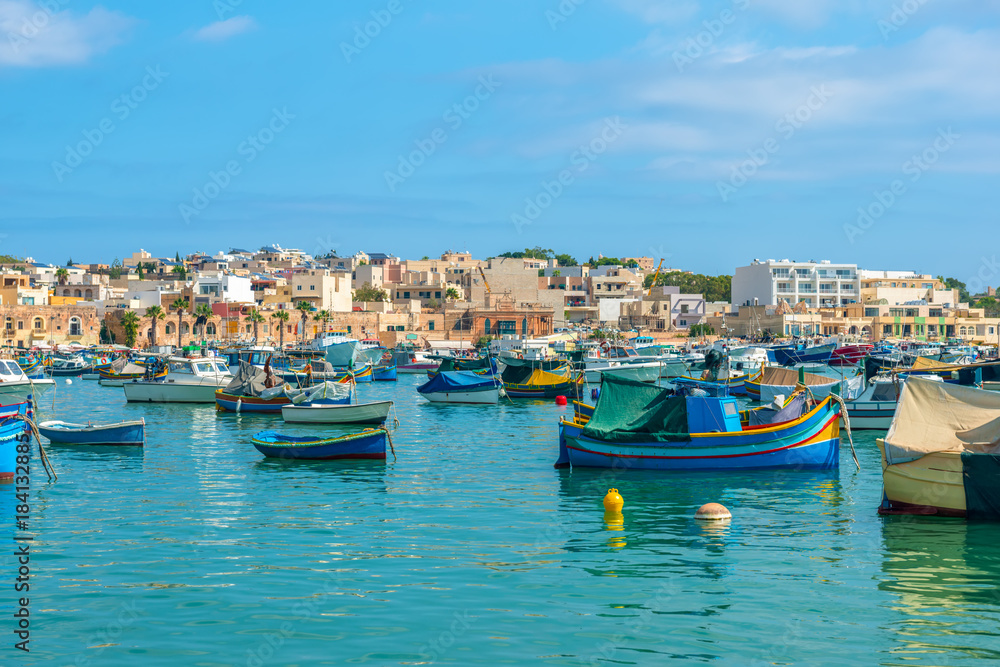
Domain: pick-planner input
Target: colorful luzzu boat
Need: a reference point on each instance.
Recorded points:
(642, 427)
(541, 384)
(384, 373)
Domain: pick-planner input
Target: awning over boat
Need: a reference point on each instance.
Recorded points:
(941, 417)
(632, 411)
(786, 377)
(453, 381)
(248, 381)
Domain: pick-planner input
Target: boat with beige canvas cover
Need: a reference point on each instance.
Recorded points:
(942, 452)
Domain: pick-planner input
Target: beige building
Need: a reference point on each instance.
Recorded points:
(900, 287)
(323, 289)
(25, 326)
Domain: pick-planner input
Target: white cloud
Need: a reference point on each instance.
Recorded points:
(32, 36)
(657, 11)
(223, 30)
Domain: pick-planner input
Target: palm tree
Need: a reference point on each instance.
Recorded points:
(282, 317)
(305, 308)
(256, 318)
(154, 313)
(452, 293)
(62, 275)
(324, 317)
(130, 322)
(180, 305)
(180, 271)
(202, 313)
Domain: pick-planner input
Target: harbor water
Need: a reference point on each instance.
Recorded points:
(471, 549)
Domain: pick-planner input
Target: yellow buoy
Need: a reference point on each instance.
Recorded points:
(712, 512)
(613, 501)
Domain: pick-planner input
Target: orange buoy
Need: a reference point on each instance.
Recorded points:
(712, 512)
(561, 400)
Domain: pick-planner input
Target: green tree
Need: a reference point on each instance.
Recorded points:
(566, 260)
(990, 305)
(368, 294)
(537, 252)
(177, 257)
(180, 305)
(62, 275)
(180, 271)
(202, 312)
(154, 313)
(483, 341)
(324, 317)
(130, 323)
(712, 288)
(452, 293)
(255, 318)
(304, 307)
(115, 271)
(282, 317)
(138, 271)
(955, 283)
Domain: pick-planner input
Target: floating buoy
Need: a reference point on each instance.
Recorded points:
(560, 400)
(613, 501)
(712, 512)
(68, 381)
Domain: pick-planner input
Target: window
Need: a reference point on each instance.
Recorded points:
(684, 309)
(406, 295)
(312, 288)
(430, 325)
(437, 295)
(871, 312)
(20, 325)
(38, 324)
(298, 288)
(9, 324)
(75, 326)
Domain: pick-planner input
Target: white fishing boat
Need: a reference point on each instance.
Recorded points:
(187, 381)
(339, 349)
(334, 413)
(620, 361)
(15, 386)
(875, 407)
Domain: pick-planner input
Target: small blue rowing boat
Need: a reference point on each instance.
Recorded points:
(369, 444)
(131, 433)
(385, 373)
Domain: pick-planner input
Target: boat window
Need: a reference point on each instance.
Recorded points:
(204, 368)
(221, 368)
(177, 367)
(4, 370)
(884, 391)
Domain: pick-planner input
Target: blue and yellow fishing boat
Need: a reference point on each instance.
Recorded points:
(384, 372)
(637, 426)
(12, 433)
(369, 444)
(527, 383)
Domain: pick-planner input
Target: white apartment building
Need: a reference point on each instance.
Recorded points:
(818, 284)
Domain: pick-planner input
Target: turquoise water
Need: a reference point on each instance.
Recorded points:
(471, 549)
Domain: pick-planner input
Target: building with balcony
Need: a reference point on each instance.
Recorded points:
(817, 284)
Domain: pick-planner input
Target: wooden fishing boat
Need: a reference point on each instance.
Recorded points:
(775, 380)
(375, 412)
(369, 444)
(131, 433)
(637, 426)
(849, 355)
(384, 373)
(461, 387)
(942, 451)
(541, 384)
(13, 431)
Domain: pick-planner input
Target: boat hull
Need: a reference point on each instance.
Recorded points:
(19, 391)
(488, 397)
(230, 403)
(123, 434)
(365, 413)
(932, 484)
(366, 445)
(12, 433)
(789, 357)
(170, 392)
(570, 388)
(810, 443)
(384, 373)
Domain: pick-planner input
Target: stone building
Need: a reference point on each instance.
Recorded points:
(26, 326)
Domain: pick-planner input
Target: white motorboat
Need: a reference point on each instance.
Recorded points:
(620, 361)
(340, 349)
(68, 366)
(187, 381)
(15, 386)
(876, 405)
(336, 413)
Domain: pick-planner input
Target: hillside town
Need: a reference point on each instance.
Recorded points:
(278, 296)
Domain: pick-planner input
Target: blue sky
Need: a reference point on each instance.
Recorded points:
(709, 133)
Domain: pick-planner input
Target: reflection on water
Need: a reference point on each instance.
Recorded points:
(471, 549)
(943, 575)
